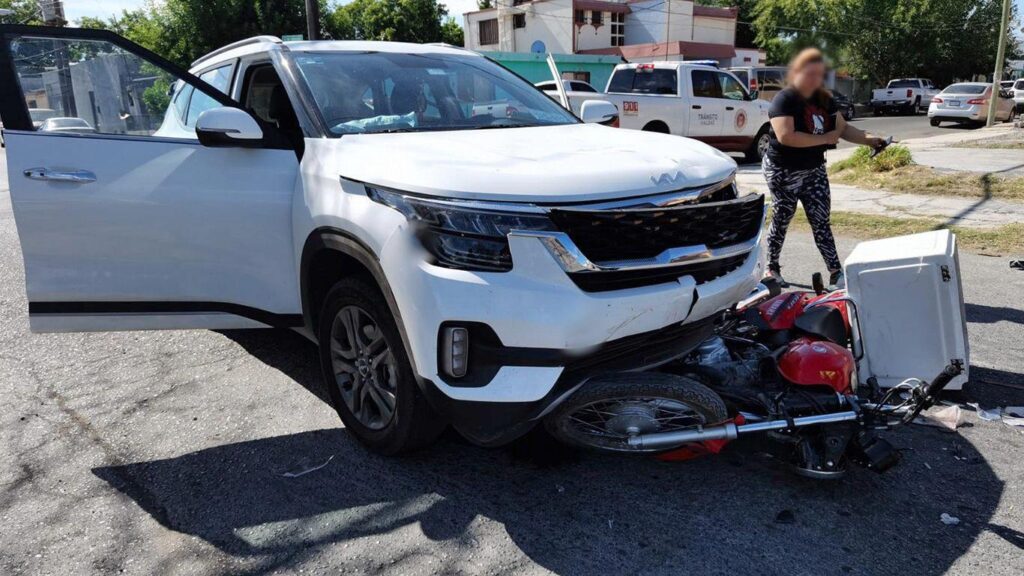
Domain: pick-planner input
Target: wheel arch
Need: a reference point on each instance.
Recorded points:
(330, 254)
(658, 126)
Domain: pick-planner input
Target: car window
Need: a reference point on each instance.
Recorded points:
(742, 75)
(372, 92)
(582, 87)
(903, 84)
(730, 88)
(182, 95)
(771, 79)
(705, 84)
(1019, 85)
(644, 80)
(547, 86)
(965, 89)
(113, 90)
(219, 78)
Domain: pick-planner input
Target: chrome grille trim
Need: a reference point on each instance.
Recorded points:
(572, 260)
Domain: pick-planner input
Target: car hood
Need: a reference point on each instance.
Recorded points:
(569, 163)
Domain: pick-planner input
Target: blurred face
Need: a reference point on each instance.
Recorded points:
(809, 78)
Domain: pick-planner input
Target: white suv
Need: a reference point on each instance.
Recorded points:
(463, 250)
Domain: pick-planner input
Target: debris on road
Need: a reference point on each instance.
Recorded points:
(303, 472)
(948, 417)
(986, 415)
(949, 520)
(1014, 416)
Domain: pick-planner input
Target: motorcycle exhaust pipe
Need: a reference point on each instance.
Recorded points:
(730, 431)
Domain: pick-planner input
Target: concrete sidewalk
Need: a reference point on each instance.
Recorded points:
(939, 153)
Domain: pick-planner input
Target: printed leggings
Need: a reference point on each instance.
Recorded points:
(810, 188)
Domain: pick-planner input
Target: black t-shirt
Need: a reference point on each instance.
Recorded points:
(808, 117)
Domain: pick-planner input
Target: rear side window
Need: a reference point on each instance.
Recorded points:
(219, 78)
(582, 87)
(904, 84)
(771, 79)
(1019, 85)
(645, 81)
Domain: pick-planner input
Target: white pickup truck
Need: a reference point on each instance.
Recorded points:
(692, 100)
(463, 250)
(905, 95)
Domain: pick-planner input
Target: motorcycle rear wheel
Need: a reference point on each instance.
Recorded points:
(609, 409)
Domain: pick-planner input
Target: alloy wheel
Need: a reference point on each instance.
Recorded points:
(365, 370)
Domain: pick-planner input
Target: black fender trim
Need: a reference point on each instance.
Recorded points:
(338, 240)
(156, 308)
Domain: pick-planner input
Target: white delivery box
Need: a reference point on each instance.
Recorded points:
(910, 307)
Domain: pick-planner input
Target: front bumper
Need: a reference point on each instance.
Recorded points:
(547, 331)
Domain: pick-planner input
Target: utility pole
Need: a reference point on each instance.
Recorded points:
(997, 75)
(52, 12)
(312, 19)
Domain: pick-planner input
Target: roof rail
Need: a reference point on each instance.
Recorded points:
(239, 44)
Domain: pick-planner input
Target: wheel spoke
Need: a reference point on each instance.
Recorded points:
(364, 367)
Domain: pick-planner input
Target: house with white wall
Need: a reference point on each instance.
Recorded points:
(637, 30)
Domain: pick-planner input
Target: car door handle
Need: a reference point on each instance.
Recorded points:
(696, 106)
(729, 108)
(73, 176)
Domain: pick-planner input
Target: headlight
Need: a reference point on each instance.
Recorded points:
(463, 235)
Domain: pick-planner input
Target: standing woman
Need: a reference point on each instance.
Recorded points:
(804, 123)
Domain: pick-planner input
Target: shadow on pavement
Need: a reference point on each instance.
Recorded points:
(580, 514)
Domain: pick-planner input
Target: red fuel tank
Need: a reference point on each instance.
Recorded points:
(810, 362)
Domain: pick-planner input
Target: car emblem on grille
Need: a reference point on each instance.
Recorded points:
(668, 179)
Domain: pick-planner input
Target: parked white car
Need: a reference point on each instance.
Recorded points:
(968, 103)
(570, 86)
(1018, 94)
(692, 100)
(70, 125)
(454, 267)
(905, 95)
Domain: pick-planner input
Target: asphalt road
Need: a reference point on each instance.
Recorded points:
(164, 453)
(901, 127)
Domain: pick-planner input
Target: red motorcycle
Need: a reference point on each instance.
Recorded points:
(780, 364)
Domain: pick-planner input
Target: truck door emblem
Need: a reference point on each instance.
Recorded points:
(741, 120)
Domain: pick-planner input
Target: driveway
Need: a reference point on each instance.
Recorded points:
(167, 453)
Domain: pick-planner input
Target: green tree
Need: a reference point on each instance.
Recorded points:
(882, 39)
(395, 20)
(451, 33)
(484, 4)
(25, 11)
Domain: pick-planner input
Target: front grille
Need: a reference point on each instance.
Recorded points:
(636, 234)
(702, 272)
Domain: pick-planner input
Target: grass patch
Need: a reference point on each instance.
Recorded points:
(1008, 239)
(895, 171)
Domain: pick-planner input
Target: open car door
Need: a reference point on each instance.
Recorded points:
(129, 221)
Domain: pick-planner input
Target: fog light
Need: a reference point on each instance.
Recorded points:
(455, 351)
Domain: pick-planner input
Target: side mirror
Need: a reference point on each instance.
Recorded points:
(753, 95)
(228, 127)
(599, 112)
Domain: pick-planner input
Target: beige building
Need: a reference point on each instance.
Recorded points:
(637, 30)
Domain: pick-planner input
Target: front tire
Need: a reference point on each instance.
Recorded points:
(759, 147)
(934, 122)
(368, 374)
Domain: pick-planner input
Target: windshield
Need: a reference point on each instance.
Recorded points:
(375, 92)
(966, 89)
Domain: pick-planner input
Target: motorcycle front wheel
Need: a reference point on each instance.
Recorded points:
(610, 409)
